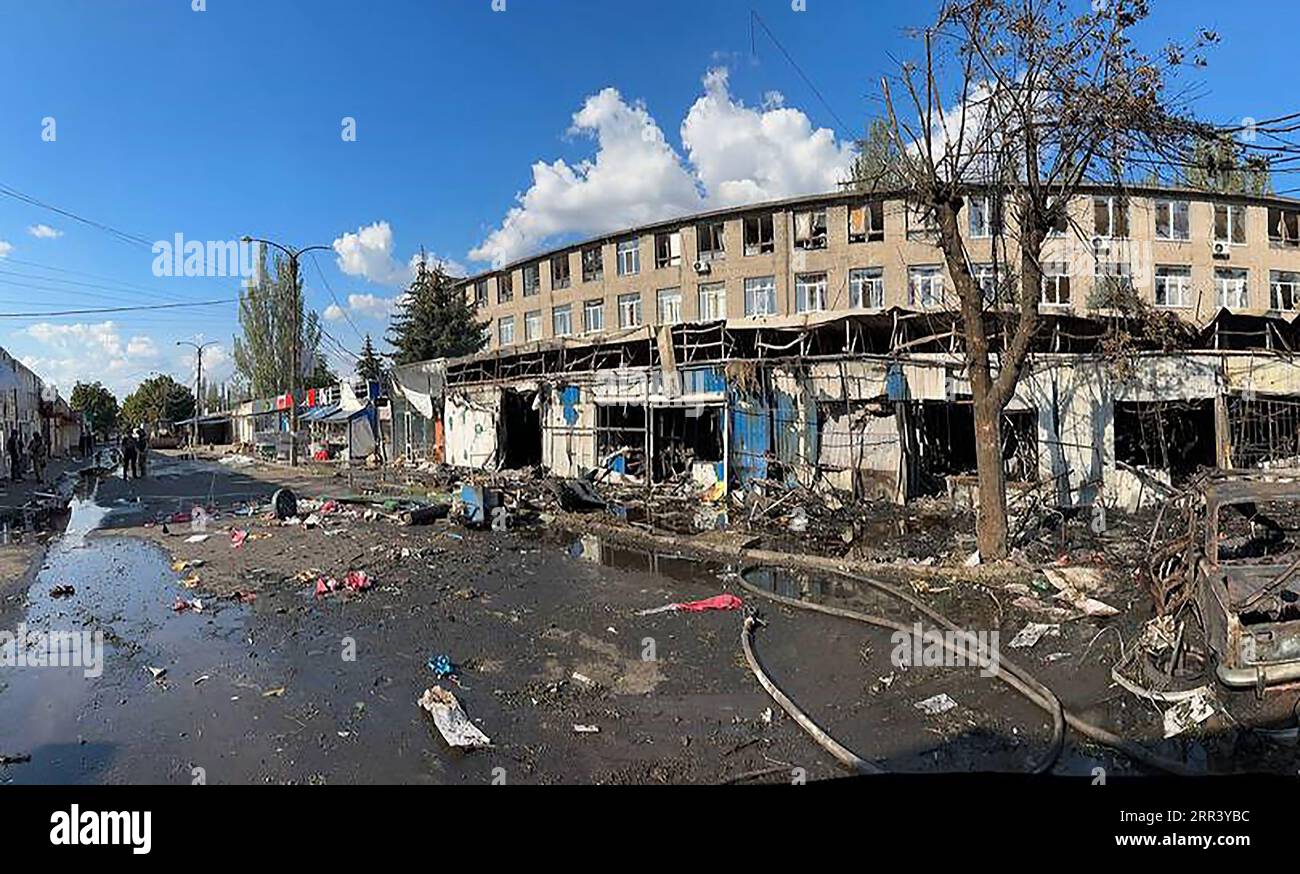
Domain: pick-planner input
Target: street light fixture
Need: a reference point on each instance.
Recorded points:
(293, 255)
(198, 380)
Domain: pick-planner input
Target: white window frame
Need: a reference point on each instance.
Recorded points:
(506, 331)
(628, 256)
(565, 310)
(629, 310)
(985, 210)
(818, 285)
(714, 294)
(1288, 280)
(1173, 209)
(708, 227)
(764, 286)
(818, 235)
(535, 271)
(674, 254)
(532, 325)
(1235, 218)
(1232, 287)
(871, 231)
(1181, 286)
(922, 282)
(867, 288)
(1053, 274)
(668, 305)
(1112, 201)
(763, 246)
(589, 307)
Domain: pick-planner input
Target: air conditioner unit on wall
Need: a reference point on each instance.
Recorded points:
(703, 267)
(1100, 246)
(1220, 249)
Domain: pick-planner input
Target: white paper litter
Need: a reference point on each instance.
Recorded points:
(936, 704)
(450, 718)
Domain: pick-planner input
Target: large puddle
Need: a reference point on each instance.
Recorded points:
(77, 659)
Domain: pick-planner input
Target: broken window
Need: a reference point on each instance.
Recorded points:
(925, 286)
(506, 330)
(867, 288)
(629, 257)
(560, 277)
(713, 301)
(760, 296)
(760, 236)
(1284, 290)
(986, 279)
(810, 293)
(562, 320)
(629, 310)
(621, 438)
(684, 437)
(1230, 224)
(521, 429)
(867, 222)
(1263, 431)
(505, 288)
(1110, 216)
(533, 325)
(1056, 285)
(1172, 220)
(480, 292)
(593, 316)
(1173, 436)
(1283, 226)
(983, 220)
(532, 279)
(1173, 286)
(710, 243)
(1231, 287)
(810, 229)
(669, 306)
(593, 268)
(945, 434)
(668, 249)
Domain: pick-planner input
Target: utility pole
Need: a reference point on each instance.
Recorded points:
(296, 352)
(198, 381)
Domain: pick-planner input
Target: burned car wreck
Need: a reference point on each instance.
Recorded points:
(1235, 562)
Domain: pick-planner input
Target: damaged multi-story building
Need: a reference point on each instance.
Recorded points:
(815, 341)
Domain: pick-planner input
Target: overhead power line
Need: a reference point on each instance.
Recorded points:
(130, 309)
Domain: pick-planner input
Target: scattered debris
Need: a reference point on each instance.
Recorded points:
(725, 601)
(936, 704)
(451, 720)
(586, 729)
(15, 758)
(182, 605)
(441, 666)
(237, 537)
(196, 538)
(1032, 633)
(1189, 713)
(63, 591)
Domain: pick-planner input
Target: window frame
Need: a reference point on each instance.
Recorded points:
(818, 281)
(873, 222)
(928, 273)
(504, 322)
(561, 282)
(632, 298)
(530, 318)
(818, 231)
(769, 290)
(1174, 206)
(1230, 210)
(862, 278)
(760, 246)
(593, 272)
(630, 249)
(596, 305)
(715, 292)
(1184, 273)
(713, 231)
(675, 291)
(567, 310)
(1240, 279)
(672, 257)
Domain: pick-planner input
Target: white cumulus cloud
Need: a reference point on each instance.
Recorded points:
(368, 253)
(44, 232)
(735, 154)
(5, 248)
(89, 351)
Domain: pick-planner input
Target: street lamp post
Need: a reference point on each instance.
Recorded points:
(293, 255)
(198, 380)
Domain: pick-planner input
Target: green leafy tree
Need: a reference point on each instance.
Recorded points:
(369, 367)
(878, 165)
(157, 401)
(434, 319)
(97, 403)
(264, 354)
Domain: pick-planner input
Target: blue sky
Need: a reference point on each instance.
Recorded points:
(227, 121)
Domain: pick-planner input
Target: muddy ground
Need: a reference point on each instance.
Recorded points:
(271, 683)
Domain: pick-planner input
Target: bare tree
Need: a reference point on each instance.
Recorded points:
(1021, 104)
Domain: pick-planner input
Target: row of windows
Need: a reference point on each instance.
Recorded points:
(926, 288)
(1111, 220)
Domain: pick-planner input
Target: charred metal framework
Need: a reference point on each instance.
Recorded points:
(877, 405)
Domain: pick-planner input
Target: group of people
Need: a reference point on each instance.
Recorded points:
(135, 454)
(23, 454)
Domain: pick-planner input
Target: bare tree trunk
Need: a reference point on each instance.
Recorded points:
(991, 522)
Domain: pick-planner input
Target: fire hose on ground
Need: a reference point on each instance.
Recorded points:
(1009, 672)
